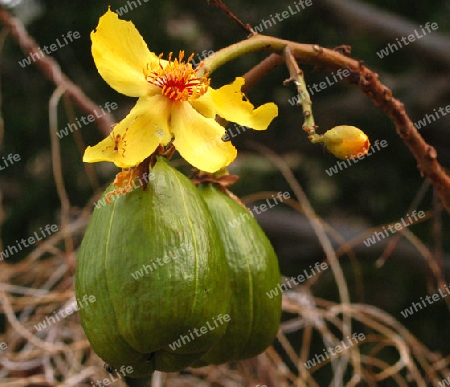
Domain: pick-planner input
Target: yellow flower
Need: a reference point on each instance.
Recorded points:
(174, 103)
(346, 142)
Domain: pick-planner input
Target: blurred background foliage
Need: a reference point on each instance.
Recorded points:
(375, 191)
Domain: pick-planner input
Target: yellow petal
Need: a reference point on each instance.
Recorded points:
(198, 139)
(137, 136)
(205, 105)
(121, 55)
(230, 103)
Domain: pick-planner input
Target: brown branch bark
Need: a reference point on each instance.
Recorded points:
(424, 153)
(51, 69)
(252, 77)
(381, 95)
(364, 78)
(224, 8)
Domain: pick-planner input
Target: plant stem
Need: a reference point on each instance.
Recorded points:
(296, 76)
(360, 76)
(307, 53)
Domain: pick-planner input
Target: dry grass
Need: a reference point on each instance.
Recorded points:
(60, 355)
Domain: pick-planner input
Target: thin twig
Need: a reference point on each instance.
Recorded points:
(50, 68)
(361, 76)
(22, 330)
(224, 8)
(436, 229)
(394, 241)
(296, 76)
(57, 166)
(318, 229)
(90, 170)
(255, 74)
(3, 35)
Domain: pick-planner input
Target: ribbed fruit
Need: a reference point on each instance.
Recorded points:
(255, 317)
(133, 321)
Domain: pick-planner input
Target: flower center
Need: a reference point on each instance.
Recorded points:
(178, 80)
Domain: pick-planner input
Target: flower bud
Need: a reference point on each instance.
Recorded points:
(346, 142)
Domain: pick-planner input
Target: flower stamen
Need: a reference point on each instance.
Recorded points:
(178, 80)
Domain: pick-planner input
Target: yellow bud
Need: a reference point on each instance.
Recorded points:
(346, 142)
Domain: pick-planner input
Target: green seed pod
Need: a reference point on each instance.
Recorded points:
(148, 258)
(255, 317)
